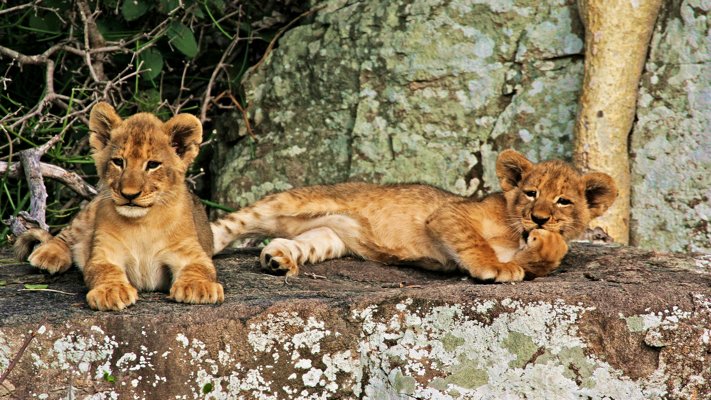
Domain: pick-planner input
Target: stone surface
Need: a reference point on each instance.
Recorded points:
(671, 188)
(395, 91)
(432, 90)
(613, 322)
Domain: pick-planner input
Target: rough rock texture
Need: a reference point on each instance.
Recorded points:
(671, 142)
(390, 91)
(431, 90)
(615, 323)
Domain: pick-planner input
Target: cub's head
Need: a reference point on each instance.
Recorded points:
(552, 195)
(142, 161)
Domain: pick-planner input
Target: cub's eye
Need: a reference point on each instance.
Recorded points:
(152, 165)
(530, 193)
(117, 162)
(564, 202)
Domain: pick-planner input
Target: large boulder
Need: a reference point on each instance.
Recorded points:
(395, 91)
(671, 141)
(431, 90)
(612, 323)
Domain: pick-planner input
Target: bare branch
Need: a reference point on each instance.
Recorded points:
(71, 179)
(31, 166)
(243, 111)
(18, 8)
(92, 38)
(219, 67)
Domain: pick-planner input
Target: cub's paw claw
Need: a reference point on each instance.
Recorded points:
(112, 297)
(507, 272)
(197, 292)
(51, 257)
(276, 259)
(510, 272)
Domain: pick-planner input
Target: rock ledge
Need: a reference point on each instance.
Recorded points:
(613, 322)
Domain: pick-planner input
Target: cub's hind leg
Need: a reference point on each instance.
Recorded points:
(52, 254)
(55, 254)
(312, 246)
(285, 214)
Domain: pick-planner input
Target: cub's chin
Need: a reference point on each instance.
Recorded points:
(132, 211)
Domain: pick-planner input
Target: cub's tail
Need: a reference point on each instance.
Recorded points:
(26, 242)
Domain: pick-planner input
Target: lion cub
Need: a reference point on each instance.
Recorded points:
(501, 237)
(144, 230)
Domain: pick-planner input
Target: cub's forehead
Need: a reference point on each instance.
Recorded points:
(140, 136)
(556, 176)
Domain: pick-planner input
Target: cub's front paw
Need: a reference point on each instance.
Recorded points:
(197, 291)
(112, 297)
(549, 246)
(52, 257)
(499, 272)
(510, 272)
(542, 254)
(277, 257)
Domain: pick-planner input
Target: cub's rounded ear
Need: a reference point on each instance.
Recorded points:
(600, 192)
(102, 120)
(185, 132)
(510, 168)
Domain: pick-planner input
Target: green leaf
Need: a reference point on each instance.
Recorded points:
(245, 27)
(2, 283)
(134, 9)
(31, 286)
(109, 378)
(166, 6)
(219, 4)
(152, 63)
(183, 39)
(207, 388)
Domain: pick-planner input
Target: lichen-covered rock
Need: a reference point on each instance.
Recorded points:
(431, 90)
(613, 322)
(671, 141)
(405, 91)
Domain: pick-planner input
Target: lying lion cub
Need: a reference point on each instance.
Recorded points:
(502, 237)
(145, 226)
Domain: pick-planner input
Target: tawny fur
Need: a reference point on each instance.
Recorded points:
(145, 230)
(505, 236)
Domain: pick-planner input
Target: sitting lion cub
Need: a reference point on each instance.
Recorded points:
(145, 226)
(502, 237)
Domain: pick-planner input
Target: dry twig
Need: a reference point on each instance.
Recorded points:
(19, 354)
(47, 290)
(314, 276)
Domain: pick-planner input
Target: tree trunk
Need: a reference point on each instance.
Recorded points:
(617, 34)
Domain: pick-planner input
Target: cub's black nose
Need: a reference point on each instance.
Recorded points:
(130, 196)
(539, 220)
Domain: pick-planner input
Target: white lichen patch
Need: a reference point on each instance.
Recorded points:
(88, 356)
(222, 377)
(75, 352)
(281, 344)
(448, 352)
(275, 331)
(661, 320)
(5, 352)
